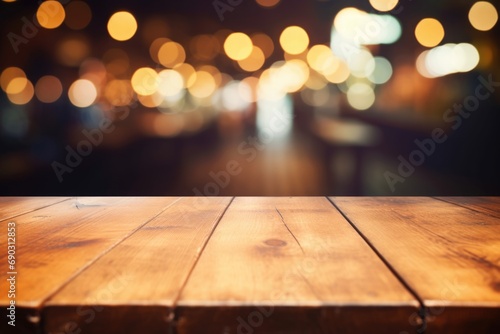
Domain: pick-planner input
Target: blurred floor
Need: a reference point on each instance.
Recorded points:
(286, 167)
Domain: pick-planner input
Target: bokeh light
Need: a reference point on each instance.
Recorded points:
(171, 54)
(187, 72)
(72, 51)
(155, 47)
(78, 15)
(238, 46)
(82, 93)
(429, 32)
(268, 3)
(9, 74)
(48, 89)
(254, 61)
(145, 81)
(50, 14)
(170, 83)
(264, 42)
(122, 26)
(447, 59)
(384, 5)
(119, 92)
(203, 86)
(22, 96)
(360, 96)
(235, 96)
(483, 16)
(382, 71)
(356, 27)
(294, 40)
(340, 74)
(16, 85)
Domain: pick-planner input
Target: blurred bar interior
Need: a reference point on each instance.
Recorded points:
(249, 97)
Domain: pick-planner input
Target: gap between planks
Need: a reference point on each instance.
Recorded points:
(33, 210)
(422, 308)
(173, 315)
(88, 265)
(484, 212)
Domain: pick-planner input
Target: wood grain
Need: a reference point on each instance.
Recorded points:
(290, 265)
(11, 207)
(134, 287)
(486, 205)
(449, 255)
(55, 243)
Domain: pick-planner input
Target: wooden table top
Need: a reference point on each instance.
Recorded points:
(251, 265)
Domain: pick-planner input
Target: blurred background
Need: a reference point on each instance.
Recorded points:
(249, 97)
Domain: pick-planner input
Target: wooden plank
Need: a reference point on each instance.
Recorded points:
(448, 254)
(55, 243)
(290, 265)
(486, 205)
(134, 287)
(11, 207)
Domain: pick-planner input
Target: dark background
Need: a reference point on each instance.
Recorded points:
(310, 161)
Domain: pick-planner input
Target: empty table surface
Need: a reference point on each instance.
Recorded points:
(250, 265)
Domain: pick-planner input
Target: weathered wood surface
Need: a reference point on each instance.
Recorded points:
(302, 263)
(11, 207)
(448, 254)
(487, 205)
(134, 287)
(56, 243)
(253, 265)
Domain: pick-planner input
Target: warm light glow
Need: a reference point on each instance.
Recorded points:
(294, 40)
(483, 15)
(171, 54)
(360, 96)
(361, 64)
(48, 89)
(155, 47)
(268, 3)
(187, 72)
(119, 92)
(9, 74)
(249, 83)
(253, 62)
(238, 46)
(235, 96)
(78, 15)
(171, 83)
(145, 81)
(16, 85)
(71, 52)
(122, 26)
(321, 59)
(265, 43)
(203, 86)
(384, 5)
(23, 96)
(50, 14)
(429, 32)
(340, 74)
(316, 81)
(82, 93)
(150, 101)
